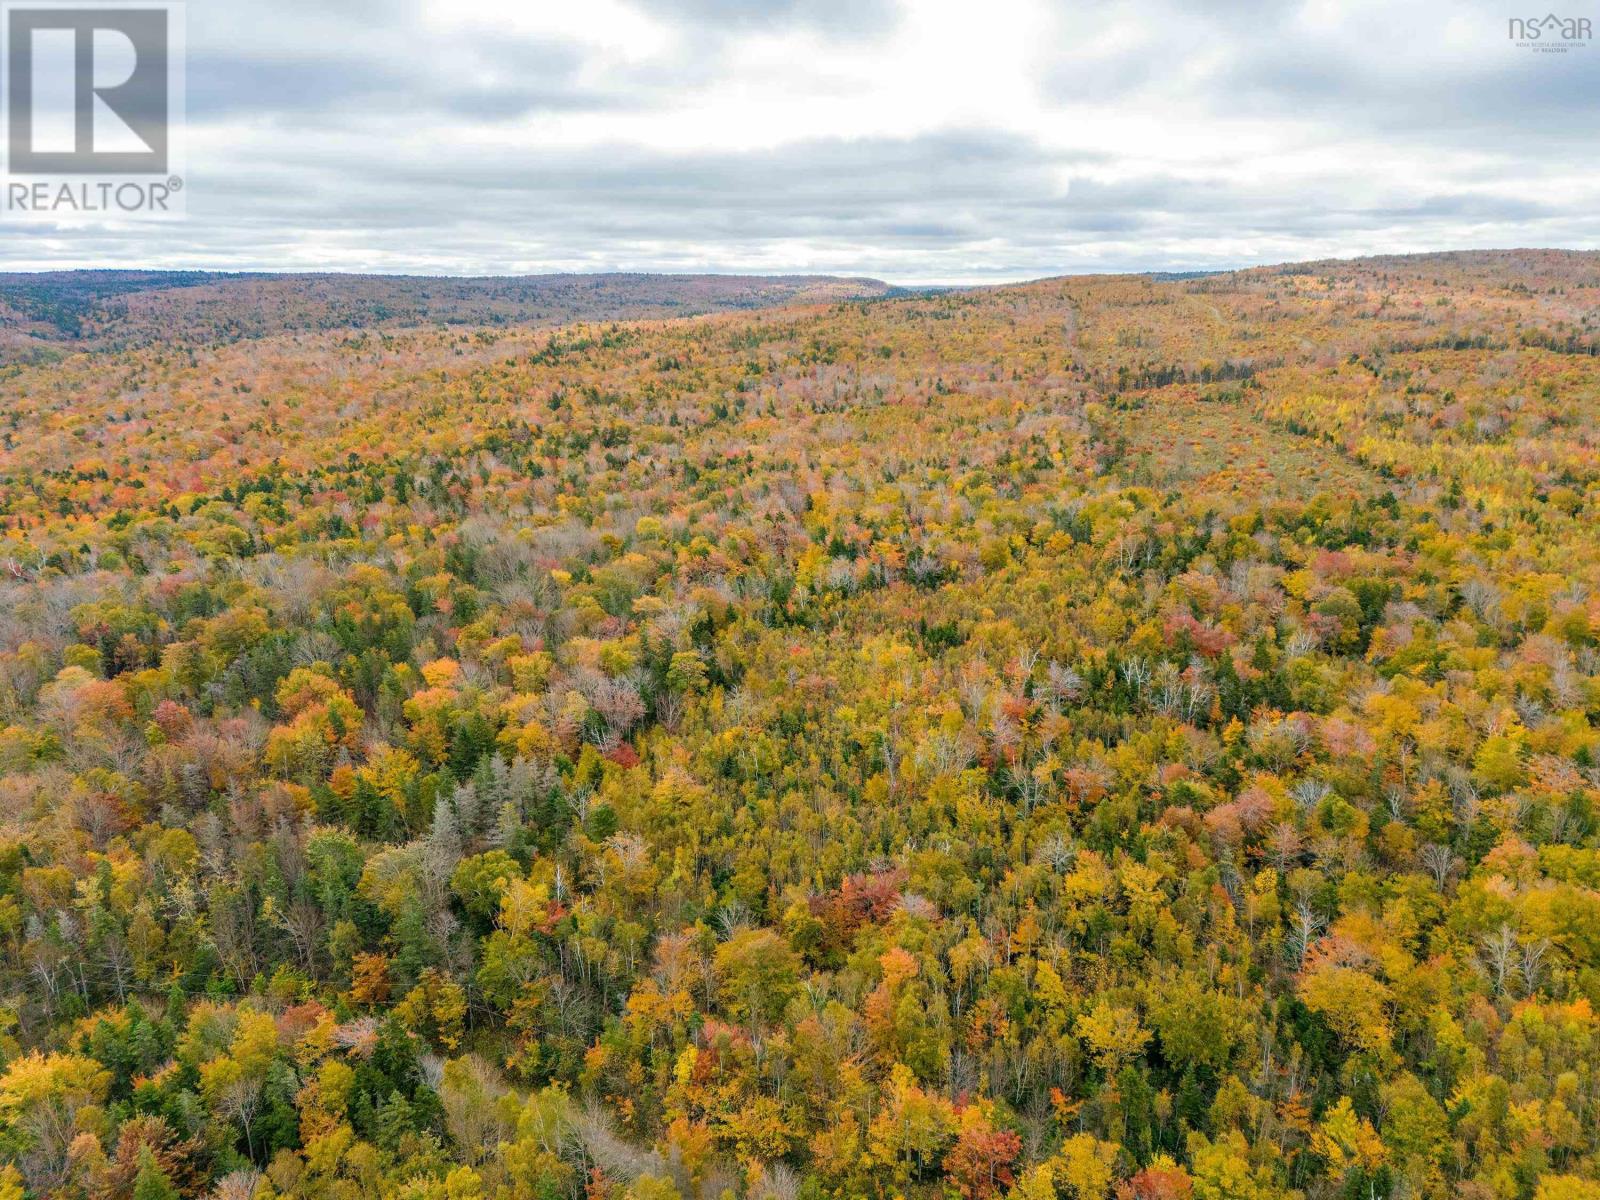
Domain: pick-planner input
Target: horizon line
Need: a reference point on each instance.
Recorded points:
(1004, 280)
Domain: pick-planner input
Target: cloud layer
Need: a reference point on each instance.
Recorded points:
(921, 141)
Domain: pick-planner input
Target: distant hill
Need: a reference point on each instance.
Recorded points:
(46, 314)
(1518, 269)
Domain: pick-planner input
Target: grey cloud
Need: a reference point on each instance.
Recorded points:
(1402, 76)
(339, 165)
(1525, 98)
(526, 77)
(929, 200)
(225, 85)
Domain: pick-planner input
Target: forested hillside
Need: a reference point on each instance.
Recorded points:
(1105, 737)
(47, 315)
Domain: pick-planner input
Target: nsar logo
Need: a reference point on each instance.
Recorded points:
(1550, 33)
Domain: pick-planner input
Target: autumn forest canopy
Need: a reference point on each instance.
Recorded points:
(1114, 736)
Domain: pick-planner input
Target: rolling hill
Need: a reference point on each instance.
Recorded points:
(1108, 736)
(53, 313)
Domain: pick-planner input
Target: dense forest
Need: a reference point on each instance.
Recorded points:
(48, 314)
(1106, 737)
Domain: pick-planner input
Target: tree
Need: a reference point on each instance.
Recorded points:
(234, 1081)
(1112, 1034)
(41, 1097)
(152, 1182)
(982, 1159)
(757, 974)
(1352, 1002)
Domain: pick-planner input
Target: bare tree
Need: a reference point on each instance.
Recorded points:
(1309, 793)
(1499, 954)
(1304, 926)
(302, 922)
(1441, 862)
(1531, 964)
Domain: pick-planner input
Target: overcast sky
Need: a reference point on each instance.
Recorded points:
(918, 142)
